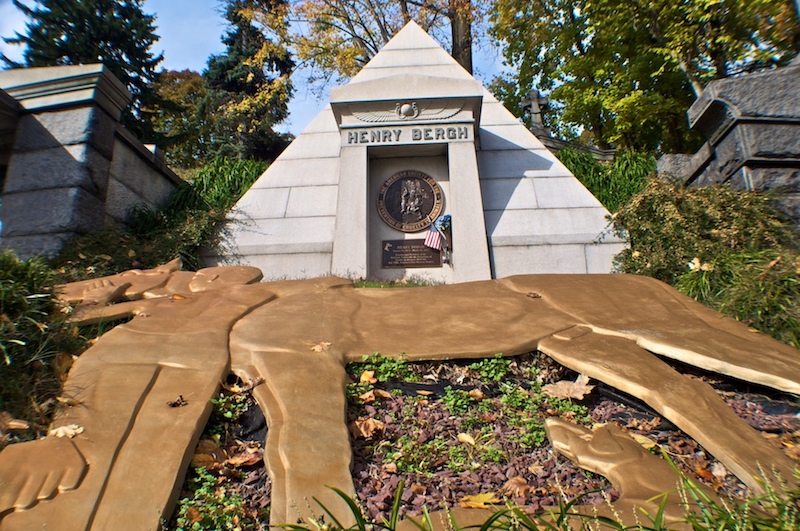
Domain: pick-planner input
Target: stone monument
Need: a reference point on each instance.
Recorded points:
(752, 124)
(414, 137)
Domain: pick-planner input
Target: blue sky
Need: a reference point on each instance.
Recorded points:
(190, 31)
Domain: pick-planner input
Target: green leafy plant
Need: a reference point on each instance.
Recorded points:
(210, 507)
(492, 369)
(385, 367)
(612, 184)
(456, 401)
(230, 407)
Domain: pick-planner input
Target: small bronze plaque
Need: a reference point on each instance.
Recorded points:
(409, 253)
(410, 201)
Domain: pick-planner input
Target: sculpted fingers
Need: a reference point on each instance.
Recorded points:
(10, 486)
(31, 491)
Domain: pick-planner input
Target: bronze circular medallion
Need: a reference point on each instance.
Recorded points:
(410, 201)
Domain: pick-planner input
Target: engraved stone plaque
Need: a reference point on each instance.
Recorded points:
(410, 201)
(397, 254)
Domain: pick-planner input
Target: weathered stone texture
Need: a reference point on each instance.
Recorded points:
(73, 168)
(54, 210)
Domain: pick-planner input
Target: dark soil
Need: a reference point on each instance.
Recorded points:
(416, 440)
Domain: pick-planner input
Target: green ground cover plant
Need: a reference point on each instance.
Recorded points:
(519, 405)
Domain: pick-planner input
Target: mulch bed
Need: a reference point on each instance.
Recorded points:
(497, 463)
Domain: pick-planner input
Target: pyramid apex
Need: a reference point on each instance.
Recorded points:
(411, 36)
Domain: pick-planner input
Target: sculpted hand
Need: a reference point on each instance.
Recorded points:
(104, 292)
(38, 470)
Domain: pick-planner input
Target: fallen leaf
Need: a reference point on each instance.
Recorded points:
(479, 501)
(208, 454)
(365, 427)
(380, 393)
(236, 388)
(644, 441)
(368, 377)
(516, 486)
(424, 393)
(368, 397)
(566, 389)
(536, 469)
(705, 473)
(389, 468)
(322, 345)
(70, 431)
(194, 515)
(244, 459)
(418, 489)
(207, 446)
(206, 461)
(476, 394)
(466, 438)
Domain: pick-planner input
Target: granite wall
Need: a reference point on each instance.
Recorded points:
(71, 167)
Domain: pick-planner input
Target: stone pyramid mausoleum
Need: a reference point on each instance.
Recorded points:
(410, 139)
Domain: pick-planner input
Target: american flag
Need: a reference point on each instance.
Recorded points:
(433, 239)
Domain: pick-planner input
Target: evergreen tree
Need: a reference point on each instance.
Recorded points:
(249, 85)
(114, 32)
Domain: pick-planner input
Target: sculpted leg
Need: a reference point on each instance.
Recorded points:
(148, 472)
(308, 445)
(662, 320)
(690, 404)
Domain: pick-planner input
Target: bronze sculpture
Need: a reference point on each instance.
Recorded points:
(189, 329)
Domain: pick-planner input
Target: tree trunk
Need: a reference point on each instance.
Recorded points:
(460, 14)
